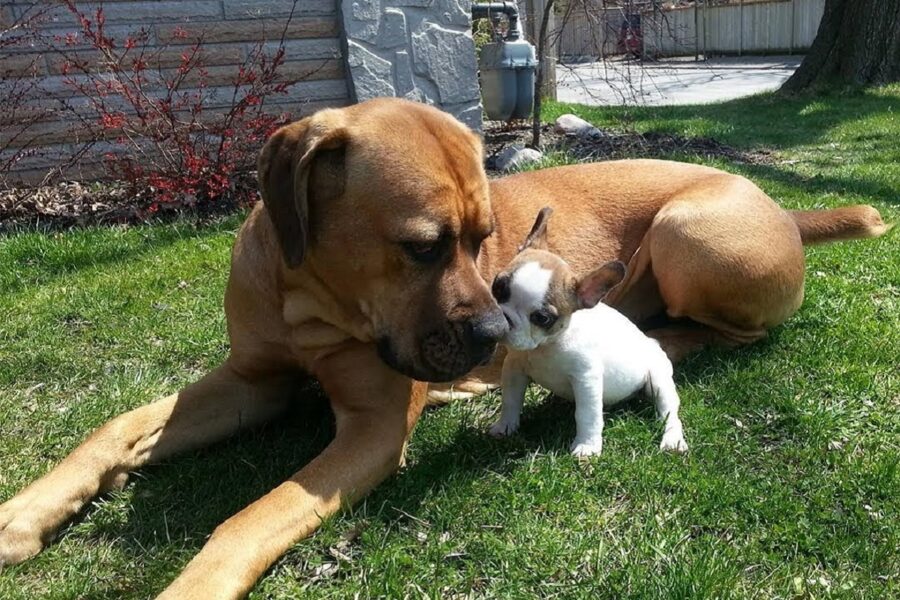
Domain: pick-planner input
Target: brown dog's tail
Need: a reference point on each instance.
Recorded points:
(845, 223)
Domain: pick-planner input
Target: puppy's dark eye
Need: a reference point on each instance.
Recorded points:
(423, 252)
(542, 318)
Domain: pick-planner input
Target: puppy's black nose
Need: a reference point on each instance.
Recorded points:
(489, 328)
(500, 288)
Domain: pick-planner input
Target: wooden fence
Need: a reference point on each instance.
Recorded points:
(751, 26)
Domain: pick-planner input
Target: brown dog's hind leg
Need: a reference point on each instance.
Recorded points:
(216, 406)
(637, 296)
(375, 410)
(732, 263)
(680, 340)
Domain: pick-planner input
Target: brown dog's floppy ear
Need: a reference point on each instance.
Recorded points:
(284, 170)
(537, 239)
(594, 287)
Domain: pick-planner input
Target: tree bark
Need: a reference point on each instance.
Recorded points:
(858, 43)
(539, 76)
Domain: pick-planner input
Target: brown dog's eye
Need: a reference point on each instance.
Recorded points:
(423, 252)
(542, 318)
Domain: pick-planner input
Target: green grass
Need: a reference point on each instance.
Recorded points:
(791, 488)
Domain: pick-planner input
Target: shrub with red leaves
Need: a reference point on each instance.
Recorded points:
(163, 136)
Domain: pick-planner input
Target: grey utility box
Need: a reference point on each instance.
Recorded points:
(507, 79)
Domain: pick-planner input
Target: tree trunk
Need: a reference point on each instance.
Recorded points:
(539, 76)
(858, 43)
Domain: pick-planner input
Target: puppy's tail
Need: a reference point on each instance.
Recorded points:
(845, 223)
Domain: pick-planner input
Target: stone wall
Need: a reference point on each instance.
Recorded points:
(417, 49)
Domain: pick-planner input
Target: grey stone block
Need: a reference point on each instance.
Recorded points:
(447, 56)
(372, 75)
(393, 29)
(455, 12)
(404, 80)
(361, 19)
(469, 114)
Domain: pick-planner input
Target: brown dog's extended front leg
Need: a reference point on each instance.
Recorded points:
(375, 410)
(216, 406)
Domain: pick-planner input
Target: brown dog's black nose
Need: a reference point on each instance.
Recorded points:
(488, 329)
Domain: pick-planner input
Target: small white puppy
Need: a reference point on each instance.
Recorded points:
(564, 338)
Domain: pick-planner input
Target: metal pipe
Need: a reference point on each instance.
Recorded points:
(486, 10)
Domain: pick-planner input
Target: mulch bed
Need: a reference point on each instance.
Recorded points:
(72, 204)
(614, 145)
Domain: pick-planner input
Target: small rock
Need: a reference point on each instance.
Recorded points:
(569, 124)
(515, 157)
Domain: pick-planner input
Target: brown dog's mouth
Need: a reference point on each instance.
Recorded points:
(441, 358)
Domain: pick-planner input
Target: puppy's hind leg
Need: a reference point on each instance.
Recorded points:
(661, 387)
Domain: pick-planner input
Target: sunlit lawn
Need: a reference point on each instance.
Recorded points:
(791, 488)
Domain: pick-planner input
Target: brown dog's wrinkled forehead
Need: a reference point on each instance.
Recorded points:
(428, 161)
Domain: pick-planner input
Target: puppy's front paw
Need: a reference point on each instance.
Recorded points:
(503, 428)
(586, 448)
(673, 442)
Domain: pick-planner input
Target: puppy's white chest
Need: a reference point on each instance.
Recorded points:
(602, 351)
(544, 367)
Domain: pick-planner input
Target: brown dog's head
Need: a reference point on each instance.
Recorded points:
(385, 204)
(538, 292)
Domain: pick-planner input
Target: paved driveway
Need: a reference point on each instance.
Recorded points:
(672, 81)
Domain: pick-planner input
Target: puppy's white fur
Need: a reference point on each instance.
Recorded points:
(599, 359)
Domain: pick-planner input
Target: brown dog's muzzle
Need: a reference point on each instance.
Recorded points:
(452, 350)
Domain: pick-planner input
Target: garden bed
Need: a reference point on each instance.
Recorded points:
(72, 204)
(614, 145)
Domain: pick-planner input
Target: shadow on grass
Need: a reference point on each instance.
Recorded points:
(822, 184)
(179, 503)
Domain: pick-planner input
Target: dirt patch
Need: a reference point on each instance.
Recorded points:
(614, 145)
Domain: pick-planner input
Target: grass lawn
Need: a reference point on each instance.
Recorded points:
(791, 488)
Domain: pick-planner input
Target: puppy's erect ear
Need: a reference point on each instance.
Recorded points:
(301, 162)
(537, 239)
(594, 287)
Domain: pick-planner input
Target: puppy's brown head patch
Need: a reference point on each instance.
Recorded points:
(538, 291)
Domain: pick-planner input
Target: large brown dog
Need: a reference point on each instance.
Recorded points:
(367, 267)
